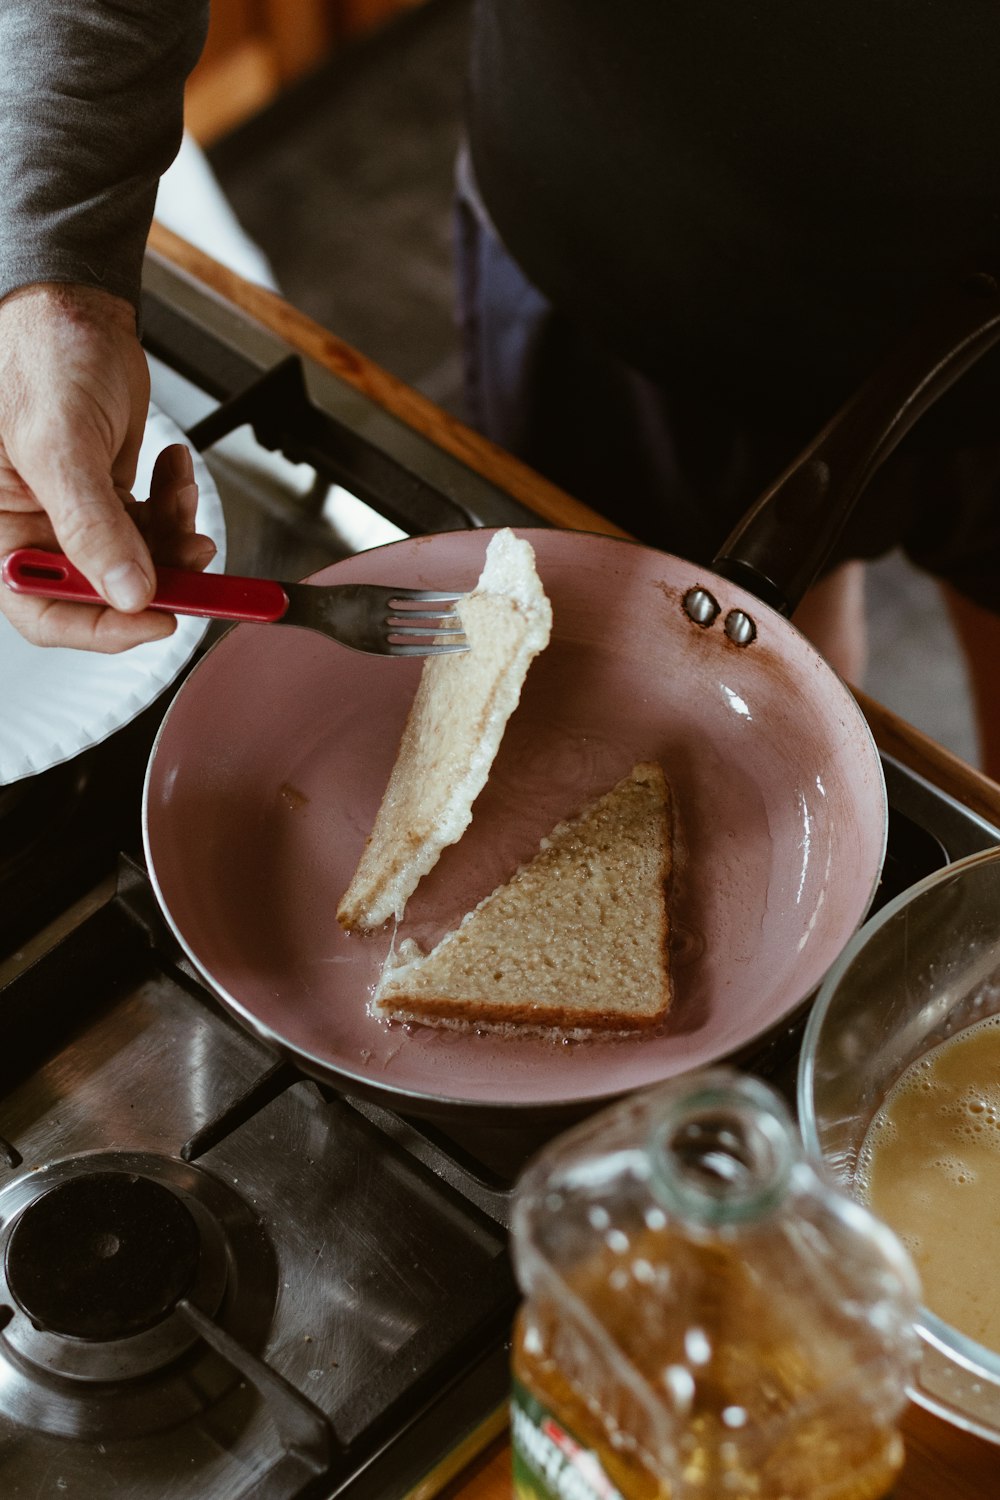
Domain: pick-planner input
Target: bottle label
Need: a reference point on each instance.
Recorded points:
(548, 1462)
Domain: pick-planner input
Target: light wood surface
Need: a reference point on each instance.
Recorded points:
(942, 1463)
(256, 49)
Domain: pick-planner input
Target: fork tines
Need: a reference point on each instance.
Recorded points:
(445, 635)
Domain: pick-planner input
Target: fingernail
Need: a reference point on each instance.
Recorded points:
(126, 587)
(181, 465)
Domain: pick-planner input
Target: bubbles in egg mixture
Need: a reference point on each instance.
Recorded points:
(929, 1166)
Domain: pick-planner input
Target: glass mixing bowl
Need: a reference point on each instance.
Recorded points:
(927, 966)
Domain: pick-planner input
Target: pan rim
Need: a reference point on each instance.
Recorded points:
(426, 1102)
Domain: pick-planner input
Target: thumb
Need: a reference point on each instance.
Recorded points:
(95, 532)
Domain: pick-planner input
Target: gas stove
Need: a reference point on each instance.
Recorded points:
(219, 1278)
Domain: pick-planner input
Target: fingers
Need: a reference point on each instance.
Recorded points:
(87, 627)
(84, 627)
(167, 523)
(85, 513)
(92, 528)
(168, 518)
(172, 487)
(194, 552)
(74, 389)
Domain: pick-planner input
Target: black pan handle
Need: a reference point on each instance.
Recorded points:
(783, 542)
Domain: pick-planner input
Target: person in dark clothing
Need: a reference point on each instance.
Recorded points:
(688, 231)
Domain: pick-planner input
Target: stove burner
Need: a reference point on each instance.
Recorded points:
(112, 1266)
(103, 1256)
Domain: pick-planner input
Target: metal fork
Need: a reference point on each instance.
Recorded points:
(376, 618)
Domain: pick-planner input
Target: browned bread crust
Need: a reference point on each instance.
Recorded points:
(578, 939)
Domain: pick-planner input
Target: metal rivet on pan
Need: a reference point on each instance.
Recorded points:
(700, 607)
(739, 627)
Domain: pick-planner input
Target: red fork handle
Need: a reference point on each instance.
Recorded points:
(179, 591)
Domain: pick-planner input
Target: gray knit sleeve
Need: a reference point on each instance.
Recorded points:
(91, 114)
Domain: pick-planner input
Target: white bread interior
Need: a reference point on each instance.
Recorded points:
(452, 734)
(576, 940)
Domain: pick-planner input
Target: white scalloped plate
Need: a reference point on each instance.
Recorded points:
(57, 702)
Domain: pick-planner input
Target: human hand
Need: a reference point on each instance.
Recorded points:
(74, 391)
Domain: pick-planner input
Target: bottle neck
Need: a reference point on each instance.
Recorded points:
(723, 1151)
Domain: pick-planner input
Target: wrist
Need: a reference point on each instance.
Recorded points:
(73, 298)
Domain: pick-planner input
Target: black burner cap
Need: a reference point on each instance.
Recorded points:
(103, 1256)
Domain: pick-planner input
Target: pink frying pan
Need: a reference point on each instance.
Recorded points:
(271, 762)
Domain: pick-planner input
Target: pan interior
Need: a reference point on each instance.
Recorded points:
(272, 761)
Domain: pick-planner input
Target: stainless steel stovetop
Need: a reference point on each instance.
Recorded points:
(220, 1279)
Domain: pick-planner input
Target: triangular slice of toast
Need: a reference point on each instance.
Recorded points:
(576, 940)
(452, 734)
